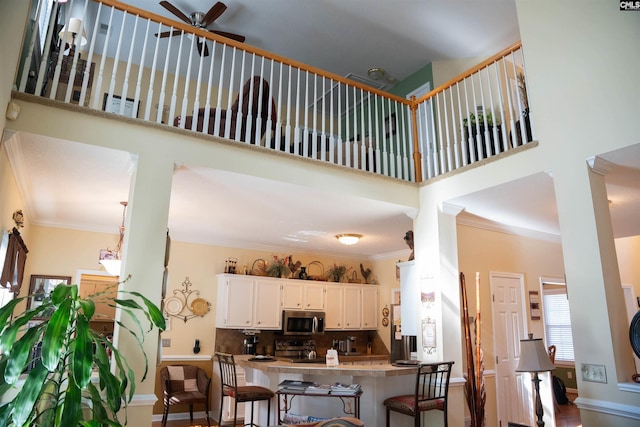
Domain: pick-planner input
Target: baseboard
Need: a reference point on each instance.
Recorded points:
(611, 408)
(199, 415)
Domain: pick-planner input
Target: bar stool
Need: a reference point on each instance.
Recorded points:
(240, 394)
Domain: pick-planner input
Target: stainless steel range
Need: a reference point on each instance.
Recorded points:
(298, 351)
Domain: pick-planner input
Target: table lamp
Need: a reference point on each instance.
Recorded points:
(73, 35)
(534, 358)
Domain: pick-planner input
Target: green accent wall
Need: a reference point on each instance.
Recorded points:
(414, 81)
(562, 373)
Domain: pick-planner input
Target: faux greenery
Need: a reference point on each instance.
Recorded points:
(279, 267)
(58, 389)
(337, 272)
(480, 118)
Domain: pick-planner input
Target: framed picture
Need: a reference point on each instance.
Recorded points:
(41, 287)
(114, 105)
(390, 125)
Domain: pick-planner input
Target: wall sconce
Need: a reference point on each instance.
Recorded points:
(349, 238)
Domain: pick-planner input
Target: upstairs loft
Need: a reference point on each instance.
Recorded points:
(208, 84)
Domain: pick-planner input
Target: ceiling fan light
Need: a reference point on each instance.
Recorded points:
(349, 238)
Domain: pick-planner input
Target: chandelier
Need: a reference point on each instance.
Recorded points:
(111, 258)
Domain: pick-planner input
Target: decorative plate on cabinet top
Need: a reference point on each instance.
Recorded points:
(199, 307)
(173, 305)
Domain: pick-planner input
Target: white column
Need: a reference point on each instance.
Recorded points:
(143, 259)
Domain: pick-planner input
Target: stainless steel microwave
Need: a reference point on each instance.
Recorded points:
(302, 322)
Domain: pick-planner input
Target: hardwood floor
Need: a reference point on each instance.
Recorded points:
(569, 415)
(185, 423)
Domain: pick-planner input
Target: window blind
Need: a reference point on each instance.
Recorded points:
(558, 324)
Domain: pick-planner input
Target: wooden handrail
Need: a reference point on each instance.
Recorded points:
(246, 47)
(469, 72)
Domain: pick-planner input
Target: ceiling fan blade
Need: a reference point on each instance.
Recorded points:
(169, 33)
(171, 8)
(214, 13)
(232, 36)
(203, 50)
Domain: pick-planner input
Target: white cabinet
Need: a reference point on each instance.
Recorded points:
(369, 307)
(248, 302)
(351, 307)
(334, 313)
(303, 295)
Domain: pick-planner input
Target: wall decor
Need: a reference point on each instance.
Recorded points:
(185, 303)
(534, 305)
(116, 101)
(390, 125)
(41, 287)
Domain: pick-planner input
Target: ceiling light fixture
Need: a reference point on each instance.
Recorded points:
(111, 258)
(349, 238)
(376, 73)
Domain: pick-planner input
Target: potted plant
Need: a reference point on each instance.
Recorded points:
(524, 102)
(279, 267)
(475, 126)
(337, 272)
(58, 389)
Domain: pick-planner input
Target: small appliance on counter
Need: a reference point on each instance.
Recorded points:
(250, 343)
(298, 351)
(347, 346)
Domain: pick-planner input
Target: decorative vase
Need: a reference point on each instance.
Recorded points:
(303, 273)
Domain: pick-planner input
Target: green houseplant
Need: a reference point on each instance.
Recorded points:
(58, 389)
(474, 126)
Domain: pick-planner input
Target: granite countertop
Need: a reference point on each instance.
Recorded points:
(284, 366)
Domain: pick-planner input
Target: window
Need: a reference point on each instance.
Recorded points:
(557, 321)
(43, 23)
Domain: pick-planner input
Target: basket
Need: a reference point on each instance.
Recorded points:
(259, 268)
(318, 273)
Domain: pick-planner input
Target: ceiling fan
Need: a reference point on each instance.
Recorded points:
(200, 20)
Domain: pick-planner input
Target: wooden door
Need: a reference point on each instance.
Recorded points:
(352, 307)
(334, 314)
(314, 297)
(370, 307)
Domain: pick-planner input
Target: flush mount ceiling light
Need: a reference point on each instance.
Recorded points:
(376, 73)
(349, 239)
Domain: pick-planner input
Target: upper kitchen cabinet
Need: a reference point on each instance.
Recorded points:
(303, 295)
(248, 302)
(351, 307)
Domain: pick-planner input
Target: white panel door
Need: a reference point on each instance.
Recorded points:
(508, 312)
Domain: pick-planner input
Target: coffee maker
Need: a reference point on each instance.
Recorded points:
(250, 343)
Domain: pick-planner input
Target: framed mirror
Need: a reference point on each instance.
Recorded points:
(41, 287)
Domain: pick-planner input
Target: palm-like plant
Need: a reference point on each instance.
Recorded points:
(58, 389)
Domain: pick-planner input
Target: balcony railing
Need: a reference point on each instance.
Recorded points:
(105, 55)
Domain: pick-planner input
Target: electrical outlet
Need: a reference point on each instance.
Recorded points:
(569, 374)
(594, 373)
(166, 342)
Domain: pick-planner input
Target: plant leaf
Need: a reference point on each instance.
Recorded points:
(61, 292)
(20, 354)
(88, 307)
(81, 359)
(156, 315)
(72, 410)
(26, 398)
(7, 311)
(55, 336)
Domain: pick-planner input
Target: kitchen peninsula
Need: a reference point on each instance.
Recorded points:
(378, 381)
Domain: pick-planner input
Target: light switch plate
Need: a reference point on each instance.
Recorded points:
(166, 342)
(593, 373)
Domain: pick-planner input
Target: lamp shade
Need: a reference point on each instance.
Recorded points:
(534, 356)
(73, 33)
(112, 266)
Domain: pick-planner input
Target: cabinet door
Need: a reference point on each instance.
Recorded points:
(334, 313)
(239, 302)
(370, 307)
(292, 296)
(267, 312)
(314, 297)
(352, 307)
